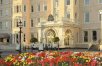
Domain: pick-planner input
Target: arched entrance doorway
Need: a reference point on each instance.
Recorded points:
(68, 38)
(50, 34)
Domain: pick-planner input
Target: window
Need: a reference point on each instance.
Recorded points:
(32, 35)
(0, 12)
(86, 2)
(1, 39)
(94, 33)
(57, 2)
(75, 2)
(100, 1)
(67, 2)
(7, 39)
(24, 37)
(85, 36)
(38, 7)
(1, 1)
(38, 19)
(17, 8)
(17, 24)
(77, 36)
(45, 7)
(100, 17)
(75, 15)
(32, 25)
(86, 17)
(32, 9)
(24, 8)
(6, 25)
(24, 23)
(68, 14)
(7, 1)
(6, 13)
(0, 25)
(17, 40)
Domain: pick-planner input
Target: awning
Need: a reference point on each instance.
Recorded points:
(4, 35)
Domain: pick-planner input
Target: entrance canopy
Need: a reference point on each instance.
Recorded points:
(4, 35)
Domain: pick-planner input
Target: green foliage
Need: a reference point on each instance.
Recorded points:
(56, 39)
(33, 40)
(50, 18)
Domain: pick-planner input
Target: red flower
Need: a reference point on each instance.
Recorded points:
(29, 61)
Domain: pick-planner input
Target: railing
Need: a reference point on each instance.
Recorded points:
(82, 45)
(70, 21)
(8, 47)
(89, 45)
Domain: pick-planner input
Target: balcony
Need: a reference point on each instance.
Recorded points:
(48, 24)
(63, 22)
(67, 21)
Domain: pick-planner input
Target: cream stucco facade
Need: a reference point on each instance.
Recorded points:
(77, 23)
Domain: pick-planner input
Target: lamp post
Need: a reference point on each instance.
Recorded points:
(20, 27)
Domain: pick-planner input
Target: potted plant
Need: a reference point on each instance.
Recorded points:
(55, 40)
(33, 41)
(50, 17)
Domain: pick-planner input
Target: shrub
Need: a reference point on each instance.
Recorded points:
(33, 40)
(56, 39)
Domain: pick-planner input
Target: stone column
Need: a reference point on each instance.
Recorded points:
(61, 37)
(28, 19)
(40, 32)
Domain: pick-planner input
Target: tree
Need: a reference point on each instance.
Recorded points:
(50, 18)
(56, 39)
(33, 40)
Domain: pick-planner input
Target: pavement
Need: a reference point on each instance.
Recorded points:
(5, 52)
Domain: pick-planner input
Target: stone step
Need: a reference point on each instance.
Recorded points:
(94, 48)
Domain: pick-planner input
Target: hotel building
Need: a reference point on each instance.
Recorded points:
(77, 23)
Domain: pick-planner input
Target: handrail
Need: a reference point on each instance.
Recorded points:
(90, 44)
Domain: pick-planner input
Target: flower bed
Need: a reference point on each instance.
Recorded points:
(54, 58)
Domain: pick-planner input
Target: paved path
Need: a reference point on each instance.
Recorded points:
(14, 52)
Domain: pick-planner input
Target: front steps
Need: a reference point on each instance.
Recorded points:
(94, 48)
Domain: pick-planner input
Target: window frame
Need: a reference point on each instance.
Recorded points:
(1, 25)
(85, 17)
(85, 36)
(94, 38)
(45, 5)
(32, 8)
(32, 23)
(24, 22)
(1, 1)
(24, 8)
(75, 2)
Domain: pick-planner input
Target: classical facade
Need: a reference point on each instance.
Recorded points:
(77, 23)
(5, 21)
